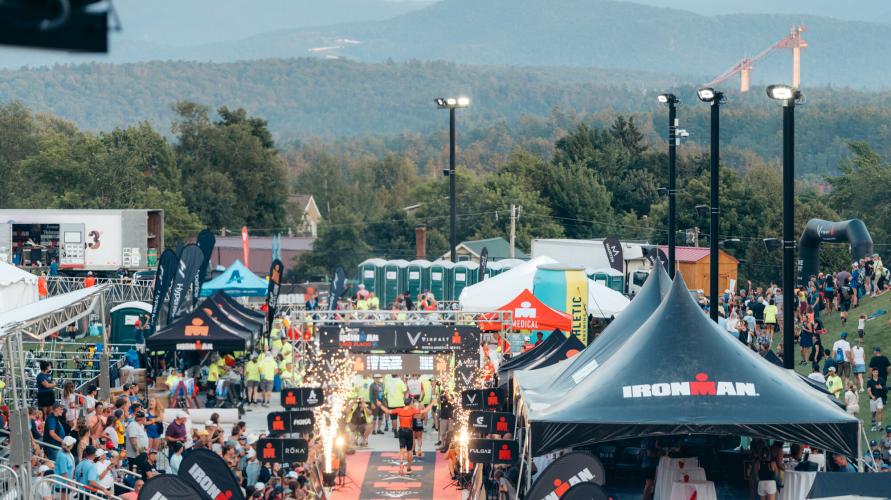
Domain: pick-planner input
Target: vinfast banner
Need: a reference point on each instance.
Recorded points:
(275, 281)
(399, 338)
(567, 471)
(167, 265)
(190, 260)
(168, 486)
(208, 473)
(206, 241)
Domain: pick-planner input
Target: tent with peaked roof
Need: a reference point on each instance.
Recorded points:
(248, 329)
(198, 331)
(529, 313)
(547, 345)
(567, 350)
(236, 281)
(553, 381)
(17, 288)
(225, 300)
(679, 373)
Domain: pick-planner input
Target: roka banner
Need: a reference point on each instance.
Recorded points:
(613, 249)
(492, 451)
(206, 241)
(285, 422)
(399, 338)
(167, 265)
(276, 450)
(492, 422)
(565, 472)
(275, 280)
(169, 487)
(484, 260)
(209, 474)
(190, 260)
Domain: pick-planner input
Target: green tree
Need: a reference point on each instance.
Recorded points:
(340, 244)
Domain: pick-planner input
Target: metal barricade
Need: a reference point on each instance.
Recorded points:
(72, 361)
(9, 483)
(58, 486)
(120, 290)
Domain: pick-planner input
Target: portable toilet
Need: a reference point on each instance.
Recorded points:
(508, 264)
(392, 283)
(123, 321)
(492, 269)
(417, 277)
(607, 277)
(440, 279)
(370, 272)
(464, 275)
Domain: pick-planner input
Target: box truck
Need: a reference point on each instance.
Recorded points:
(592, 255)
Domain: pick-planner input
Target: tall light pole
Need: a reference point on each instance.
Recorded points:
(714, 98)
(671, 101)
(788, 97)
(451, 104)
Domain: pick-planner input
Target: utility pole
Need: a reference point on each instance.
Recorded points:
(514, 216)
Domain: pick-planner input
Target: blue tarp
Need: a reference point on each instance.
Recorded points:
(236, 281)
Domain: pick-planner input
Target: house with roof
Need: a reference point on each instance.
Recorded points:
(693, 264)
(304, 214)
(498, 248)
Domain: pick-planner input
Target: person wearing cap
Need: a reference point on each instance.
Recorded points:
(877, 392)
(89, 280)
(834, 383)
(106, 463)
(405, 416)
(64, 461)
(53, 430)
(176, 431)
(145, 463)
(44, 489)
(87, 473)
(137, 437)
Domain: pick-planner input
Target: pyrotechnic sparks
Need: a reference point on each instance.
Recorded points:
(452, 389)
(335, 375)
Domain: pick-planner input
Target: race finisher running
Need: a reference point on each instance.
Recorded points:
(405, 416)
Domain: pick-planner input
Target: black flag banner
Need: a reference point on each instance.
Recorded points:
(163, 277)
(189, 264)
(338, 285)
(209, 474)
(584, 491)
(206, 241)
(167, 486)
(275, 281)
(613, 249)
(484, 261)
(570, 469)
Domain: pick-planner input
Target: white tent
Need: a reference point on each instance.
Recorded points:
(17, 288)
(495, 292)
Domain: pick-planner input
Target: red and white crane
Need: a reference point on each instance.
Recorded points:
(744, 67)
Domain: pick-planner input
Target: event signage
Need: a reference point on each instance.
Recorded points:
(209, 474)
(613, 249)
(245, 247)
(167, 265)
(302, 397)
(275, 280)
(206, 241)
(190, 260)
(484, 260)
(167, 487)
(482, 399)
(700, 387)
(490, 422)
(492, 451)
(425, 364)
(283, 422)
(564, 473)
(585, 491)
(338, 287)
(399, 338)
(282, 450)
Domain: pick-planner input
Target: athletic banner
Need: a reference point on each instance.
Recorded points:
(245, 247)
(206, 241)
(284, 422)
(492, 451)
(209, 474)
(190, 260)
(583, 491)
(613, 249)
(491, 422)
(484, 260)
(338, 285)
(399, 363)
(167, 265)
(282, 450)
(399, 338)
(167, 486)
(483, 399)
(275, 280)
(568, 470)
(302, 397)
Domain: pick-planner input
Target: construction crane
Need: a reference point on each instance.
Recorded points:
(744, 67)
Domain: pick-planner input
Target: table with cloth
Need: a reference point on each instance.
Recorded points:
(693, 490)
(796, 485)
(665, 474)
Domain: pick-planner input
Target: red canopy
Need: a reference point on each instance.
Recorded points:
(529, 313)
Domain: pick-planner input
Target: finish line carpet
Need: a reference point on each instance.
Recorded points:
(375, 476)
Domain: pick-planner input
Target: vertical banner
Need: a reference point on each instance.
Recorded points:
(206, 241)
(209, 474)
(338, 285)
(577, 303)
(565, 288)
(484, 260)
(167, 486)
(275, 280)
(245, 248)
(613, 249)
(190, 260)
(163, 278)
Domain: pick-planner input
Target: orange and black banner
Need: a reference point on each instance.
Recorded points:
(275, 280)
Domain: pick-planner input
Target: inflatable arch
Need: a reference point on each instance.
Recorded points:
(852, 231)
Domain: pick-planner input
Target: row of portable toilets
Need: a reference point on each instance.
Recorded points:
(444, 279)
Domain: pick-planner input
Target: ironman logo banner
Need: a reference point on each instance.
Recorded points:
(701, 386)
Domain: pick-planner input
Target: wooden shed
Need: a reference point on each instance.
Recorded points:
(693, 264)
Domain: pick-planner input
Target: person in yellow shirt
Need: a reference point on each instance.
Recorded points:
(374, 303)
(288, 374)
(770, 319)
(396, 391)
(252, 377)
(213, 372)
(286, 350)
(834, 383)
(268, 367)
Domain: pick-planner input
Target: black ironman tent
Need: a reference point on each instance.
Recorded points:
(566, 348)
(553, 381)
(221, 298)
(547, 345)
(680, 374)
(235, 315)
(248, 330)
(197, 331)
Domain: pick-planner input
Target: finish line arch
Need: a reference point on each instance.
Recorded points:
(817, 231)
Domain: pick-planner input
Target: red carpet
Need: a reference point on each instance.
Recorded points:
(375, 476)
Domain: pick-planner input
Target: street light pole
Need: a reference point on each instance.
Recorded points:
(788, 96)
(452, 104)
(671, 101)
(714, 98)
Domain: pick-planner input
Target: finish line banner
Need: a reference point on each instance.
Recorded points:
(399, 338)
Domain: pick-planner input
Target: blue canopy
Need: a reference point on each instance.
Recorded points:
(236, 281)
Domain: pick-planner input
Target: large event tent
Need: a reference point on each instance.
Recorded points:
(199, 331)
(237, 281)
(493, 293)
(679, 373)
(17, 288)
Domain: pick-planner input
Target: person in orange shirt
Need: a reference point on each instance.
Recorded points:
(406, 438)
(89, 280)
(42, 290)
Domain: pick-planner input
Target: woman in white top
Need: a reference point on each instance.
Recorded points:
(69, 399)
(732, 323)
(859, 363)
(852, 401)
